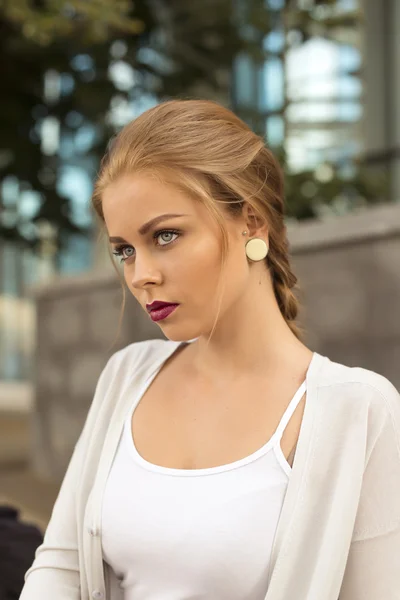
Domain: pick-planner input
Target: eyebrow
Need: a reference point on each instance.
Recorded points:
(147, 226)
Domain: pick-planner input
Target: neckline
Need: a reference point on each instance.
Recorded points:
(264, 449)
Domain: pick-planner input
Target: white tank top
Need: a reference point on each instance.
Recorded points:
(197, 534)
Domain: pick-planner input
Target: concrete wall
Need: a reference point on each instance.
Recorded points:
(349, 270)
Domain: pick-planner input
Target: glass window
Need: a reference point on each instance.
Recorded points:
(272, 85)
(319, 82)
(275, 4)
(274, 42)
(275, 131)
(245, 85)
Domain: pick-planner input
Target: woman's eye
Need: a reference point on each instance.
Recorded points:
(121, 250)
(163, 239)
(127, 249)
(166, 237)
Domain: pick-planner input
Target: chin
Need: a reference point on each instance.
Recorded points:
(181, 334)
(176, 337)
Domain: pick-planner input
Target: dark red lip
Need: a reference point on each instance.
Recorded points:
(158, 304)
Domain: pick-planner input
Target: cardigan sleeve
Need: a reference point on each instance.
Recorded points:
(55, 569)
(373, 565)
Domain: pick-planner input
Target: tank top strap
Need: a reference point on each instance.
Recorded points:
(287, 415)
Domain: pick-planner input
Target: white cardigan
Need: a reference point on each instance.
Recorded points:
(338, 536)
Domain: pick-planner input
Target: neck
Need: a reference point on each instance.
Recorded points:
(251, 339)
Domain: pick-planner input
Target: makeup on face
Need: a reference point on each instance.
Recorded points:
(171, 250)
(161, 310)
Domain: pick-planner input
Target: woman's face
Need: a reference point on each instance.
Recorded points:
(171, 251)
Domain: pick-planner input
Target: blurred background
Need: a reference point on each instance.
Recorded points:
(319, 79)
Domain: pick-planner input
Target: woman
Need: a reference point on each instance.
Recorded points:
(183, 483)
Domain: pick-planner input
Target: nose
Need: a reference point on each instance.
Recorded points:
(145, 273)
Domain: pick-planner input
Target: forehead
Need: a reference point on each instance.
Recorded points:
(138, 198)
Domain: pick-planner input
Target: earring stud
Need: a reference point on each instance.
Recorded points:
(256, 249)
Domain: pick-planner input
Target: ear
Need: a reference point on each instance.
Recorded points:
(254, 223)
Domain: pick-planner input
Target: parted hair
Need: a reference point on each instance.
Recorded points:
(211, 154)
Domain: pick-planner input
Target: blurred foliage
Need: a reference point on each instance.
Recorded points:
(168, 48)
(328, 191)
(45, 21)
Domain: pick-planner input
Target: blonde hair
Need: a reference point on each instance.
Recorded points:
(214, 156)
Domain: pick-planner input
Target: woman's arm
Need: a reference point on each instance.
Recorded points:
(55, 571)
(373, 568)
(373, 565)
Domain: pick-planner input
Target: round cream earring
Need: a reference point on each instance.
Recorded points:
(256, 249)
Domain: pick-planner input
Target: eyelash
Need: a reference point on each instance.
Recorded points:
(119, 249)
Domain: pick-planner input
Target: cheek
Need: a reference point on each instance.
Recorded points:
(235, 274)
(197, 261)
(200, 273)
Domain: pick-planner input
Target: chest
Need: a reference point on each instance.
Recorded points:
(199, 426)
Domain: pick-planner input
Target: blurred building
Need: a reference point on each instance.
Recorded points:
(343, 100)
